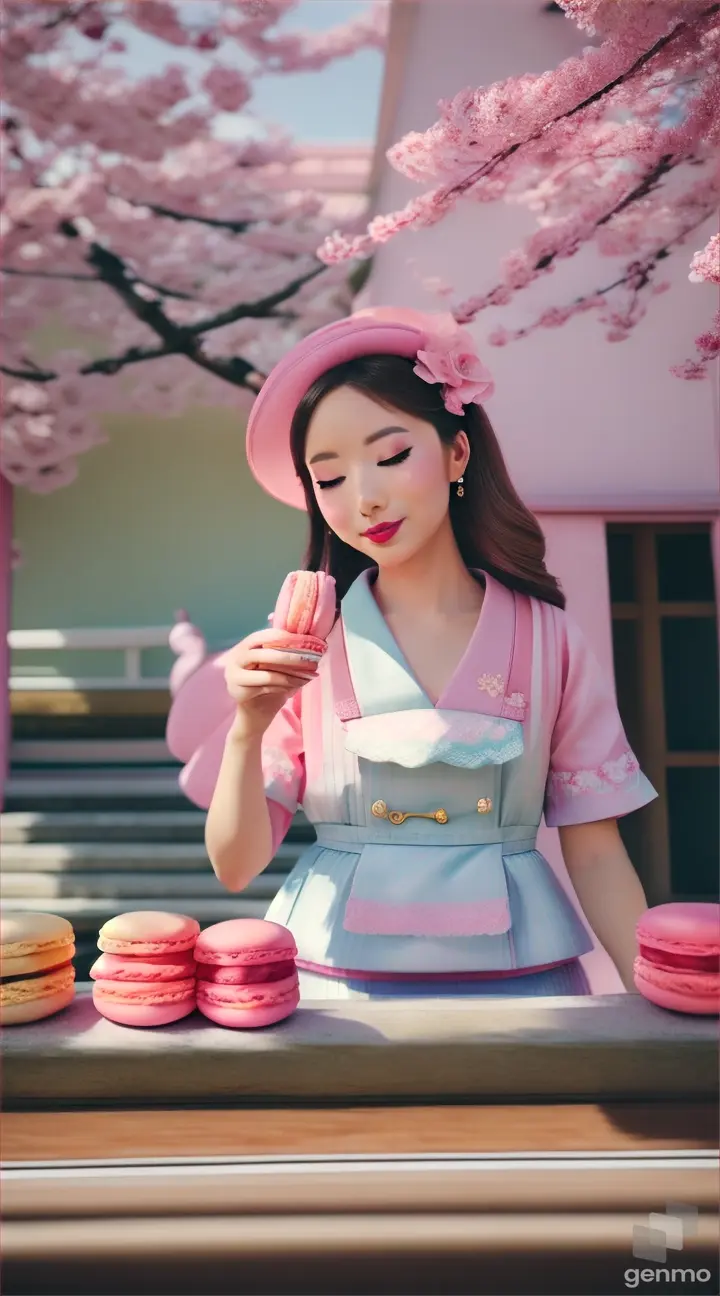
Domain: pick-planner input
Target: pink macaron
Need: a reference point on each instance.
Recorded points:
(246, 973)
(678, 964)
(306, 608)
(146, 973)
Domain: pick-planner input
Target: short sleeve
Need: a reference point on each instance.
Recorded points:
(593, 772)
(283, 764)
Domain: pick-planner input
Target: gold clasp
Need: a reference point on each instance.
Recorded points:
(484, 805)
(380, 810)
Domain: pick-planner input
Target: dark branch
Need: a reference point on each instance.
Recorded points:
(176, 339)
(643, 187)
(28, 375)
(492, 163)
(233, 226)
(262, 309)
(49, 274)
(642, 270)
(89, 278)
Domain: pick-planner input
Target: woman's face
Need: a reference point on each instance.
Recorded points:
(381, 477)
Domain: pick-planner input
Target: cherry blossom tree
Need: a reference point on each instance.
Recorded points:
(618, 147)
(183, 256)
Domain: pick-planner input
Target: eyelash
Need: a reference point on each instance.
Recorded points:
(383, 463)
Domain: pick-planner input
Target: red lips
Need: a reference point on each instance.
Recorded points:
(384, 532)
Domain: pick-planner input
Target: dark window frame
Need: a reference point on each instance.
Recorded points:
(647, 832)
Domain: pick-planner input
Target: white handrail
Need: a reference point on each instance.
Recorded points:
(110, 637)
(128, 640)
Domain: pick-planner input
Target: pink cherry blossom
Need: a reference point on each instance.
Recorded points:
(705, 265)
(186, 258)
(618, 148)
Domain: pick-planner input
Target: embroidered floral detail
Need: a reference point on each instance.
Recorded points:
(604, 778)
(492, 684)
(278, 766)
(347, 709)
(516, 700)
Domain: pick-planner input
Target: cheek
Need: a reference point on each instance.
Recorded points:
(334, 508)
(423, 474)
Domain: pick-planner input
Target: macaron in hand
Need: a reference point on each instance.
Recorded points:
(145, 975)
(678, 965)
(37, 977)
(246, 973)
(306, 608)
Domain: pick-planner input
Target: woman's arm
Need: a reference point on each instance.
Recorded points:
(608, 888)
(238, 831)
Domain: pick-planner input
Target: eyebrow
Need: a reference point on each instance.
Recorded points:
(374, 436)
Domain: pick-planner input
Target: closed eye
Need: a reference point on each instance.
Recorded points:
(396, 459)
(382, 463)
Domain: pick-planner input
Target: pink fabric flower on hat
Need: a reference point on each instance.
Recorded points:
(450, 358)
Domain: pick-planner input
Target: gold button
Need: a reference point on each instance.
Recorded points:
(484, 805)
(380, 810)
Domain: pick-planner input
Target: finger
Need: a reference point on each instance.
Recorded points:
(273, 657)
(258, 679)
(267, 636)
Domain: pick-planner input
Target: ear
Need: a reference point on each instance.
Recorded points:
(459, 455)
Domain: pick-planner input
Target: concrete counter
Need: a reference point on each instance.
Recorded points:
(601, 1049)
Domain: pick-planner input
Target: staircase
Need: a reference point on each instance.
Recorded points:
(92, 841)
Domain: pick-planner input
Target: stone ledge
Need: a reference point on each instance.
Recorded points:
(607, 1048)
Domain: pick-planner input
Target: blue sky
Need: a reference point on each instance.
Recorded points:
(337, 105)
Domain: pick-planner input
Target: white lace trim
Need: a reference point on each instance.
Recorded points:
(425, 735)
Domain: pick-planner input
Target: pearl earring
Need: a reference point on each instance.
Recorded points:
(460, 488)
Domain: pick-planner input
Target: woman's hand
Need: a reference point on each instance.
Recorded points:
(260, 679)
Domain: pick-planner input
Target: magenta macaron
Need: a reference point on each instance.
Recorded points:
(246, 973)
(678, 964)
(145, 975)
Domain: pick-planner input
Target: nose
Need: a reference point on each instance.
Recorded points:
(371, 496)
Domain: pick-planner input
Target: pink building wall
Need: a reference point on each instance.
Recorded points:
(6, 515)
(591, 431)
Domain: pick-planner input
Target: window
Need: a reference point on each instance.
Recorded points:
(665, 639)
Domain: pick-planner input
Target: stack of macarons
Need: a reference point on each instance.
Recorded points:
(246, 972)
(145, 975)
(37, 977)
(678, 964)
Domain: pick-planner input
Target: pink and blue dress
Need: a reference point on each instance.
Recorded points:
(425, 878)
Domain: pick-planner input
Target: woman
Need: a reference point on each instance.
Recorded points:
(455, 690)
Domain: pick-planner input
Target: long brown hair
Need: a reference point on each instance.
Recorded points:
(493, 529)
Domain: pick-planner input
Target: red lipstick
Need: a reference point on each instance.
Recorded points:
(384, 532)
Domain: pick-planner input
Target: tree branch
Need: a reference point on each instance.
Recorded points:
(490, 165)
(88, 278)
(262, 309)
(233, 226)
(176, 339)
(646, 265)
(648, 182)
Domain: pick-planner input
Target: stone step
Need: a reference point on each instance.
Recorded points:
(88, 916)
(90, 751)
(147, 890)
(77, 789)
(138, 858)
(29, 826)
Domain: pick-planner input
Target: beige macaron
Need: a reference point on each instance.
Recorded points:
(37, 977)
